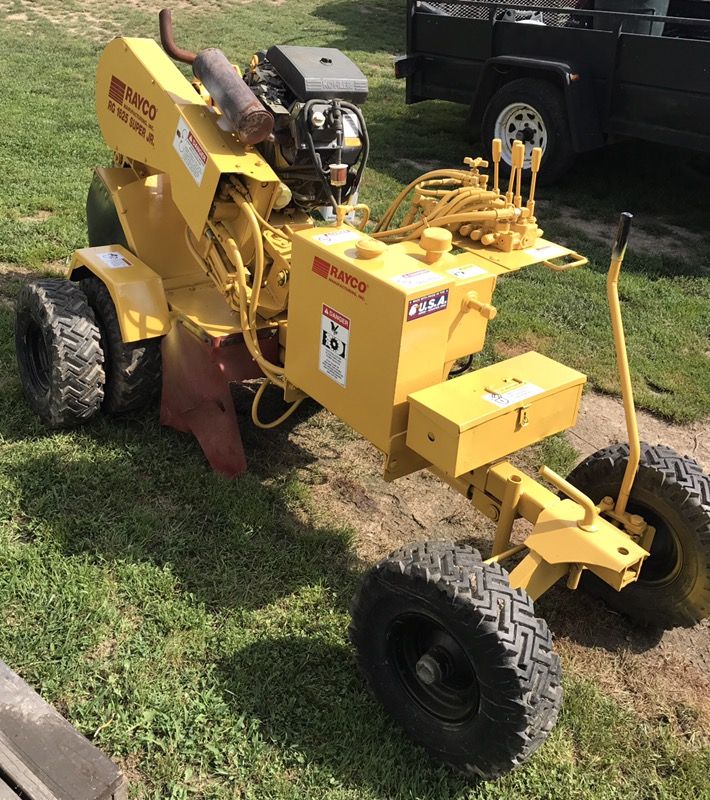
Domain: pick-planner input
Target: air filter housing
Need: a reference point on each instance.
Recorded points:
(318, 73)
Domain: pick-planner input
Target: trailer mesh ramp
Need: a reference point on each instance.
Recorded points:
(42, 757)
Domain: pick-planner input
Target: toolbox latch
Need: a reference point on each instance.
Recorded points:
(523, 419)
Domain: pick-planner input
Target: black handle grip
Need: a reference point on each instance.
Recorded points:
(622, 235)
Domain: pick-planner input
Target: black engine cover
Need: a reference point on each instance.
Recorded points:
(318, 73)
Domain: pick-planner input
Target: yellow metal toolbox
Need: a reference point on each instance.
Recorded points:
(479, 417)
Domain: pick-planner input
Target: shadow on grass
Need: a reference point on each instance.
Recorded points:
(587, 621)
(371, 25)
(307, 695)
(130, 491)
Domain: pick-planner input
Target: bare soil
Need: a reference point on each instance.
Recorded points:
(664, 238)
(93, 20)
(601, 421)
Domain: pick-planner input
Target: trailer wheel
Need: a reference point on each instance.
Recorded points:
(673, 494)
(457, 657)
(132, 368)
(58, 352)
(532, 111)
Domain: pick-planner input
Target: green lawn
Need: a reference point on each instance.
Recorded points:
(196, 628)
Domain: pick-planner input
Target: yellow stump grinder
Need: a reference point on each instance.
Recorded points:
(206, 268)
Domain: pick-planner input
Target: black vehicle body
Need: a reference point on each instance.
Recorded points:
(617, 73)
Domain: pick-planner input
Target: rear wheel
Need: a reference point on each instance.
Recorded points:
(58, 350)
(457, 657)
(672, 493)
(531, 111)
(132, 368)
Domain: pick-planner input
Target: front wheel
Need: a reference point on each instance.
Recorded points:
(672, 493)
(531, 111)
(59, 355)
(457, 657)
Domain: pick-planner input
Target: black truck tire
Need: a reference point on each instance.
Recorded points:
(673, 494)
(533, 111)
(457, 657)
(58, 351)
(132, 368)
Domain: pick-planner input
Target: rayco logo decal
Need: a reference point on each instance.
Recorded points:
(429, 304)
(117, 90)
(340, 277)
(132, 108)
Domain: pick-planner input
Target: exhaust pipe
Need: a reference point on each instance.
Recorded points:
(246, 115)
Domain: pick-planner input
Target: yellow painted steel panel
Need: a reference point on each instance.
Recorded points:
(136, 290)
(153, 225)
(392, 322)
(479, 417)
(149, 112)
(501, 263)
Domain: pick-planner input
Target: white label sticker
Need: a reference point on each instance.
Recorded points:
(468, 272)
(334, 345)
(114, 260)
(509, 398)
(337, 237)
(547, 251)
(421, 277)
(190, 151)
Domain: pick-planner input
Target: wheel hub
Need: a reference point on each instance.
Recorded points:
(434, 668)
(429, 670)
(665, 559)
(523, 123)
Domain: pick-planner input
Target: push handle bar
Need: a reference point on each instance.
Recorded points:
(165, 20)
(622, 361)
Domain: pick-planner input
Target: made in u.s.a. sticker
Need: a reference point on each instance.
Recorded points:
(334, 345)
(505, 399)
(429, 304)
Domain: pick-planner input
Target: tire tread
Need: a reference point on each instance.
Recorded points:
(77, 377)
(506, 624)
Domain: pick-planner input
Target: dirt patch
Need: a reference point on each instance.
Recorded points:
(11, 278)
(344, 473)
(99, 21)
(664, 238)
(601, 422)
(422, 166)
(39, 216)
(662, 677)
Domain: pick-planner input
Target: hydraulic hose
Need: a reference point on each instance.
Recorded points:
(255, 408)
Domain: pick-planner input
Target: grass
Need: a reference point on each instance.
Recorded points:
(196, 631)
(194, 628)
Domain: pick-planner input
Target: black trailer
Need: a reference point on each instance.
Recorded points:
(568, 76)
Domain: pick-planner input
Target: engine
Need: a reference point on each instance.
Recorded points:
(319, 144)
